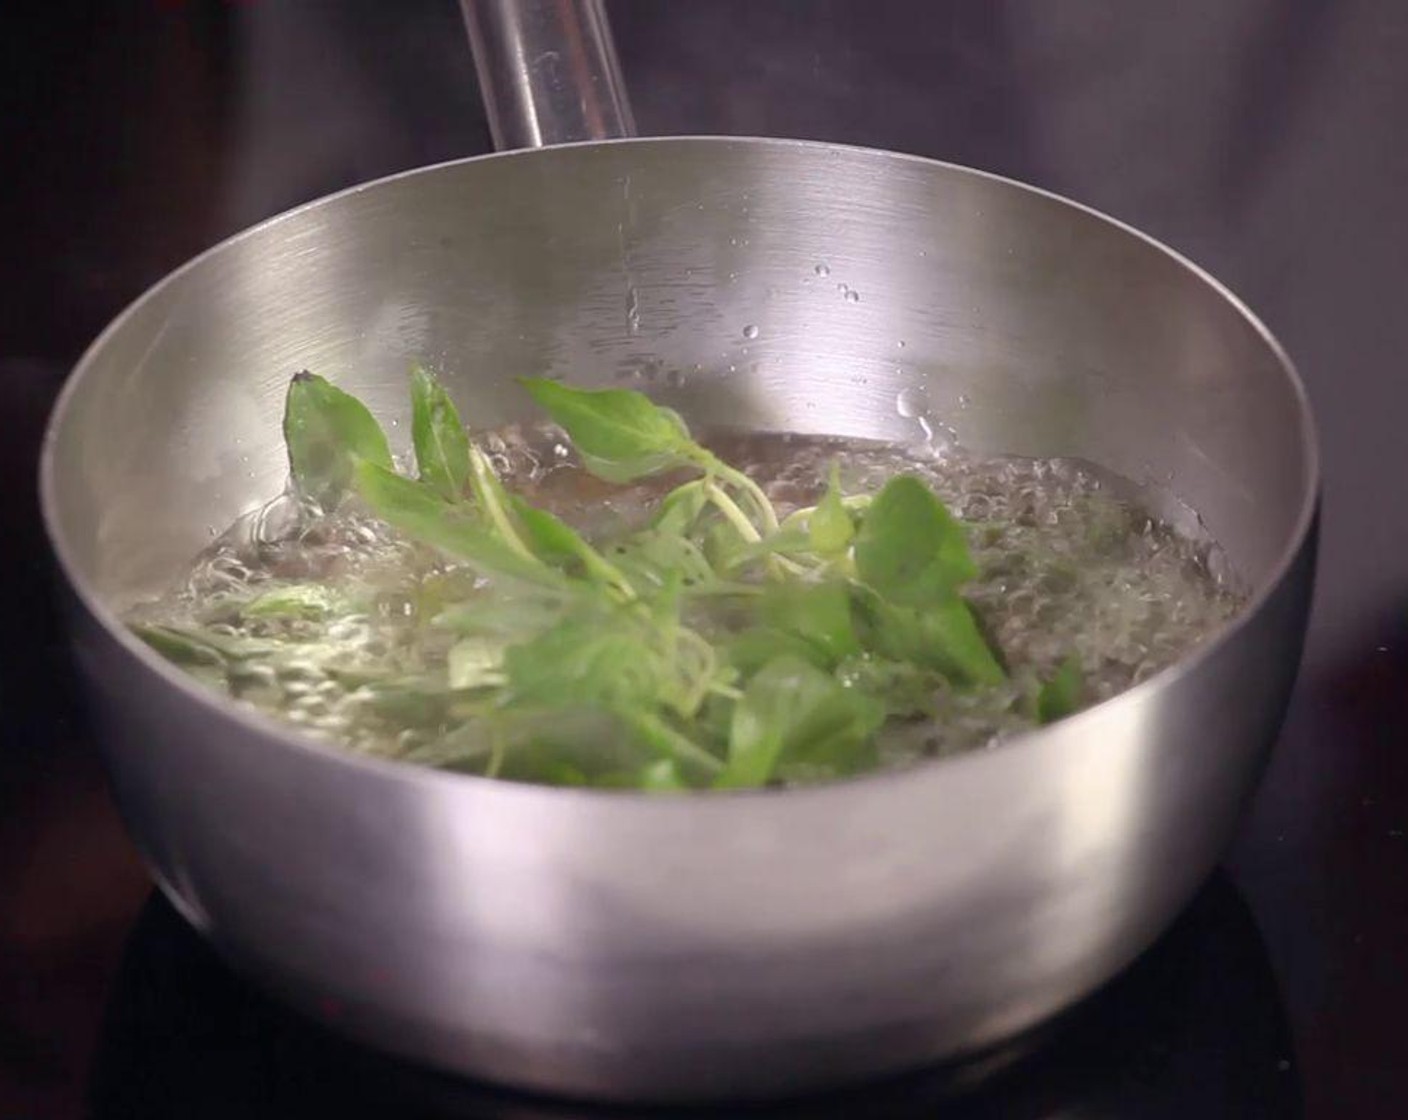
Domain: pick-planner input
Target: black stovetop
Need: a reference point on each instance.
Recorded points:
(1264, 140)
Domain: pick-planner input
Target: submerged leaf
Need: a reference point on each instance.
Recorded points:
(475, 663)
(792, 712)
(818, 613)
(942, 635)
(298, 600)
(1061, 696)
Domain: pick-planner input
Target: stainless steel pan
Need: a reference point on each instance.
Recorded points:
(722, 945)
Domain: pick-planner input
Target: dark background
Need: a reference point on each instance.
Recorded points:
(1263, 138)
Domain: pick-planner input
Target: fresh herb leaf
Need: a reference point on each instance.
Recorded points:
(441, 443)
(651, 558)
(475, 663)
(201, 647)
(494, 503)
(581, 664)
(502, 614)
(818, 613)
(298, 600)
(785, 542)
(830, 529)
(558, 544)
(620, 434)
(1061, 696)
(908, 691)
(327, 432)
(749, 650)
(668, 740)
(792, 712)
(592, 658)
(180, 646)
(680, 508)
(420, 513)
(910, 548)
(943, 635)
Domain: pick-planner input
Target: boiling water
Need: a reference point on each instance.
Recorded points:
(1070, 565)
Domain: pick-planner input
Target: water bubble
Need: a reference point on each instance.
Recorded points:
(963, 401)
(843, 288)
(900, 343)
(674, 379)
(751, 331)
(822, 270)
(853, 296)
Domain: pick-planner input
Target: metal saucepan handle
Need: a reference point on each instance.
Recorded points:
(548, 71)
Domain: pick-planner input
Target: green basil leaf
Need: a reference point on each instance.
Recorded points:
(793, 713)
(651, 558)
(326, 432)
(557, 543)
(620, 434)
(562, 744)
(907, 690)
(548, 536)
(475, 663)
(749, 650)
(734, 552)
(659, 735)
(441, 443)
(298, 600)
(181, 647)
(819, 613)
(910, 548)
(681, 508)
(592, 658)
(500, 615)
(1061, 696)
(195, 647)
(421, 514)
(829, 528)
(942, 635)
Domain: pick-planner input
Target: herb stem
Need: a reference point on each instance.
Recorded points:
(670, 742)
(753, 490)
(729, 508)
(484, 481)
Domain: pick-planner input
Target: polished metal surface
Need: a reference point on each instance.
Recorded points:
(547, 71)
(721, 945)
